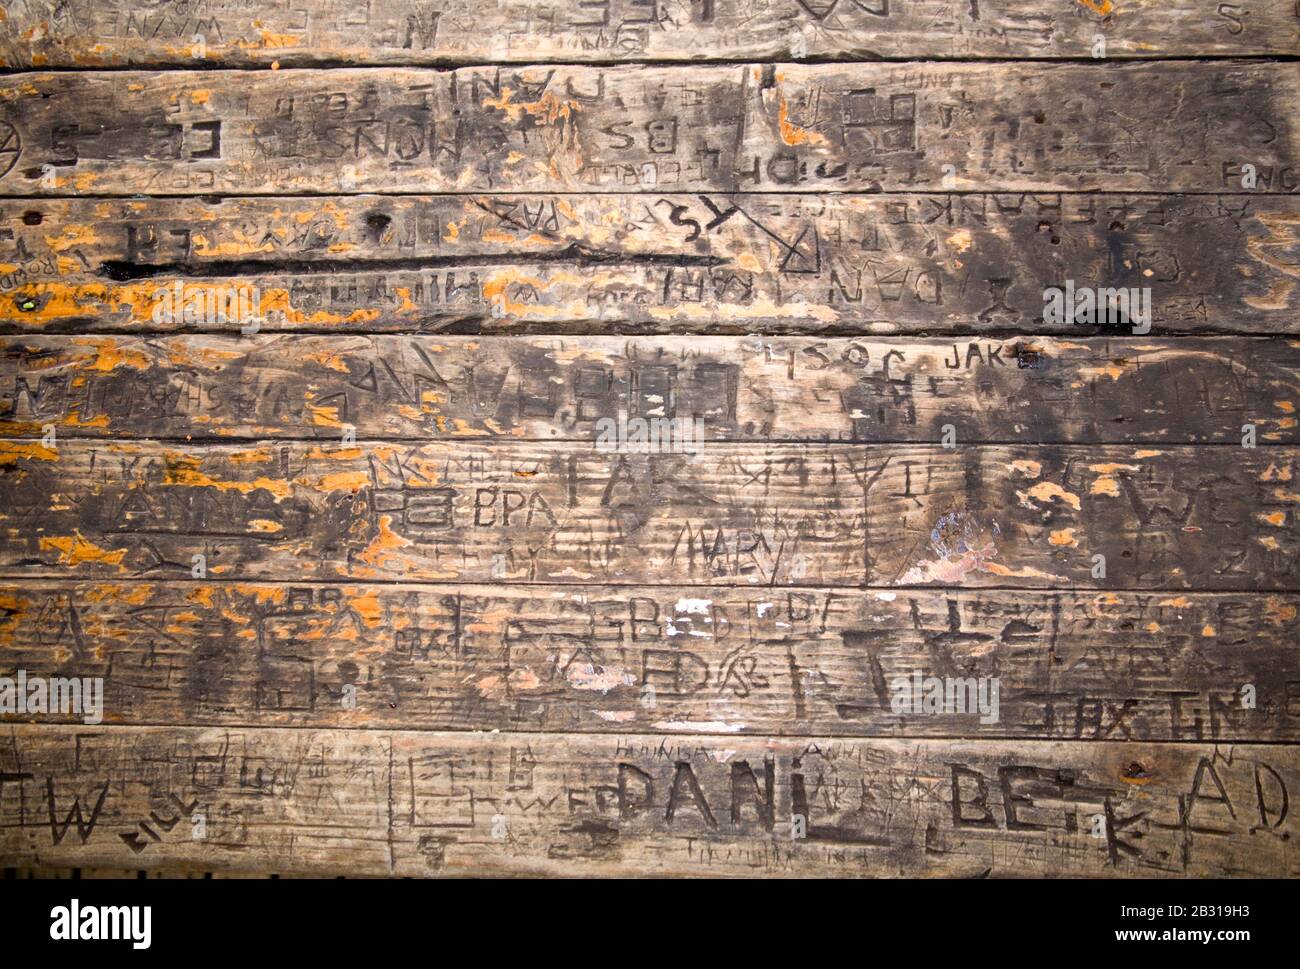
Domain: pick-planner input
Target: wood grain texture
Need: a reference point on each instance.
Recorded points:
(1083, 390)
(1007, 127)
(313, 320)
(412, 803)
(44, 872)
(771, 514)
(793, 263)
(94, 33)
(1071, 666)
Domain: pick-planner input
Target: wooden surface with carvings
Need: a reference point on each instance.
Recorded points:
(315, 318)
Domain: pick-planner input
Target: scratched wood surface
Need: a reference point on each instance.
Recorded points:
(635, 263)
(438, 631)
(85, 33)
(1072, 665)
(418, 803)
(1170, 126)
(1190, 517)
(1041, 389)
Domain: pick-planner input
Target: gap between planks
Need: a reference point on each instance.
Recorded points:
(612, 735)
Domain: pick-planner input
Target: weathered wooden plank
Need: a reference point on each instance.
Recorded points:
(413, 803)
(1069, 666)
(782, 263)
(116, 874)
(757, 514)
(1087, 390)
(1169, 127)
(96, 33)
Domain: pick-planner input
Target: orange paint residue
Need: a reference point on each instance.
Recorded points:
(333, 359)
(338, 481)
(269, 40)
(184, 354)
(262, 594)
(1105, 486)
(1025, 572)
(136, 302)
(255, 456)
(10, 452)
(74, 550)
(136, 595)
(325, 416)
(459, 427)
(110, 354)
(1278, 612)
(1276, 250)
(1046, 490)
(277, 300)
(342, 454)
(380, 551)
(74, 419)
(548, 107)
(12, 610)
(367, 607)
(243, 244)
(794, 136)
(496, 290)
(1112, 370)
(71, 236)
(184, 471)
(428, 469)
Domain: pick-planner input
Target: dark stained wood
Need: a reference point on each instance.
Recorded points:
(642, 263)
(1070, 666)
(417, 803)
(94, 33)
(1007, 127)
(312, 316)
(733, 514)
(1082, 390)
